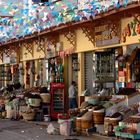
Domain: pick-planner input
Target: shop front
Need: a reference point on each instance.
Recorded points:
(128, 57)
(105, 72)
(9, 66)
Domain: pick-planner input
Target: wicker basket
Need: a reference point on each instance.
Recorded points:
(98, 117)
(34, 102)
(78, 125)
(85, 124)
(28, 116)
(45, 97)
(114, 122)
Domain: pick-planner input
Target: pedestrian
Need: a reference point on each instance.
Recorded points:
(72, 95)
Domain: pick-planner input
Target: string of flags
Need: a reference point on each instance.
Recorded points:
(29, 18)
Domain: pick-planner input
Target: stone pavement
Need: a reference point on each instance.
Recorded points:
(21, 130)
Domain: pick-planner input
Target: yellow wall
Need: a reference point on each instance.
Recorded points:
(83, 43)
(36, 54)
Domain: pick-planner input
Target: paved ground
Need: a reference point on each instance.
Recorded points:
(20, 130)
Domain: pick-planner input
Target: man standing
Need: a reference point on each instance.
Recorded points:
(72, 95)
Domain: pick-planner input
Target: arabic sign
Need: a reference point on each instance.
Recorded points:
(107, 34)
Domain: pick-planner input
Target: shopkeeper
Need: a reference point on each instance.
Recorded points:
(72, 95)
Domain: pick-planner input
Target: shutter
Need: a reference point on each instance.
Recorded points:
(89, 71)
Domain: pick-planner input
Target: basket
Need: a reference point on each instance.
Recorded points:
(114, 122)
(98, 117)
(85, 124)
(78, 125)
(34, 102)
(109, 121)
(28, 116)
(45, 97)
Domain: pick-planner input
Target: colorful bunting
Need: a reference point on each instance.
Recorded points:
(28, 19)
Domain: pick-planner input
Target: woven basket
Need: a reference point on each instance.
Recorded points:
(98, 117)
(45, 97)
(34, 102)
(28, 116)
(85, 124)
(78, 125)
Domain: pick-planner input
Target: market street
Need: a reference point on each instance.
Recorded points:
(15, 130)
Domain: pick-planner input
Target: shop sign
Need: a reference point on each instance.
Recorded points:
(131, 29)
(107, 34)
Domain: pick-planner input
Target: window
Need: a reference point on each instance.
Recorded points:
(105, 66)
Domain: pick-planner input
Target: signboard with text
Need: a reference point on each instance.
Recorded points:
(107, 34)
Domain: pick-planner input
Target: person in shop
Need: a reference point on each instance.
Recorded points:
(72, 95)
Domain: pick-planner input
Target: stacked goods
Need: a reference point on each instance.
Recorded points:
(98, 115)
